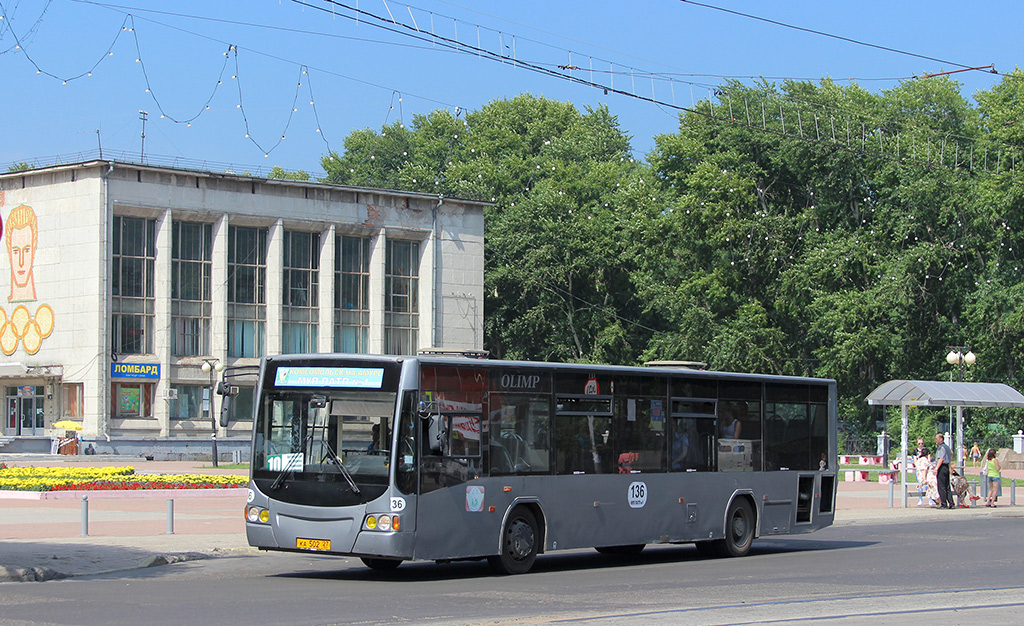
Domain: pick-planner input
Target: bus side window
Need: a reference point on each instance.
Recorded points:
(582, 445)
(519, 438)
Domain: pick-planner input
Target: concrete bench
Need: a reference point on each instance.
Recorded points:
(859, 459)
(860, 476)
(888, 476)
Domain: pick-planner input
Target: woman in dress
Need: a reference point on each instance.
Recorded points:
(921, 463)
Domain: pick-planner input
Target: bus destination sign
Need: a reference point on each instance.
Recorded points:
(361, 377)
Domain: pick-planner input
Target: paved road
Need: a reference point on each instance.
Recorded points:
(949, 570)
(876, 564)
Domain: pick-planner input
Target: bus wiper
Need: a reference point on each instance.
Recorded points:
(280, 478)
(290, 469)
(344, 470)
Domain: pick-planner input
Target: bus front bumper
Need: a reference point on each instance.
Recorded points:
(367, 543)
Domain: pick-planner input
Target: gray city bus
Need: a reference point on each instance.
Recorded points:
(393, 458)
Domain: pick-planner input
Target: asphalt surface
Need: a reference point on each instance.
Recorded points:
(41, 534)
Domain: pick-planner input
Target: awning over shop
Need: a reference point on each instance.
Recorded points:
(907, 393)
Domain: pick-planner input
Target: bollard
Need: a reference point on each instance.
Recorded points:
(974, 493)
(1013, 492)
(85, 516)
(170, 516)
(891, 484)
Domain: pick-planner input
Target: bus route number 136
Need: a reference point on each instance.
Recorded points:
(637, 495)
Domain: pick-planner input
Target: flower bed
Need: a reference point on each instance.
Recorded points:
(107, 478)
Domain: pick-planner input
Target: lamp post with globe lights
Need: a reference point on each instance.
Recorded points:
(960, 356)
(209, 367)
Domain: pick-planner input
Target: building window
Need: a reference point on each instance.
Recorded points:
(247, 300)
(131, 278)
(188, 403)
(401, 301)
(191, 305)
(72, 396)
(351, 294)
(301, 311)
(131, 399)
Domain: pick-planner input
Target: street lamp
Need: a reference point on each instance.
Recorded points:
(960, 356)
(209, 367)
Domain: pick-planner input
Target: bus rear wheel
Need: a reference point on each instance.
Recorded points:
(519, 544)
(739, 530)
(381, 565)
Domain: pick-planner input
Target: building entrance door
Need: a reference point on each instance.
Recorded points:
(25, 412)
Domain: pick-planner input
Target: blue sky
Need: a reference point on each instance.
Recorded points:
(364, 76)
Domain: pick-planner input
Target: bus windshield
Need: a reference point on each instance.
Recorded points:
(329, 447)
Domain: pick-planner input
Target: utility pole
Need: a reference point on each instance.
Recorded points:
(142, 116)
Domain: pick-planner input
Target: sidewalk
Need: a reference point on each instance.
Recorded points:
(40, 539)
(41, 535)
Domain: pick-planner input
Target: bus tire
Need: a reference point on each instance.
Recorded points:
(381, 565)
(739, 529)
(519, 543)
(630, 550)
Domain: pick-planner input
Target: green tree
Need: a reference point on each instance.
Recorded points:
(278, 172)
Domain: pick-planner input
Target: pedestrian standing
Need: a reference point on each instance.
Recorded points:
(995, 480)
(921, 463)
(943, 457)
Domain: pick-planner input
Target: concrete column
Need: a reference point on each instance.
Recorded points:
(431, 330)
(275, 284)
(378, 251)
(325, 330)
(162, 323)
(219, 291)
(219, 307)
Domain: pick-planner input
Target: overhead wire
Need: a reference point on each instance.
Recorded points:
(830, 35)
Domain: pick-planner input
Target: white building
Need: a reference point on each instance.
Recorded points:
(123, 279)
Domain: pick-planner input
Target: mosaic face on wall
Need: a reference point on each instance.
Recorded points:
(26, 324)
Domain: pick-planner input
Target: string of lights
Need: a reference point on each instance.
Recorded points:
(28, 34)
(21, 46)
(128, 26)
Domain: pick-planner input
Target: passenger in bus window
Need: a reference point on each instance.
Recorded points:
(374, 438)
(730, 426)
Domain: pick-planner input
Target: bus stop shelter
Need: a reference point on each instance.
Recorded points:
(907, 393)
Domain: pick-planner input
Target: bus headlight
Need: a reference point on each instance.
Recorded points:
(256, 514)
(383, 523)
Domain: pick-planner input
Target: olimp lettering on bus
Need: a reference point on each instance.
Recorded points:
(520, 381)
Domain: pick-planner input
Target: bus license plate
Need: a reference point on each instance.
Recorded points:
(313, 544)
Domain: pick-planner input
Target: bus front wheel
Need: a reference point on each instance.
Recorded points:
(519, 544)
(739, 529)
(382, 565)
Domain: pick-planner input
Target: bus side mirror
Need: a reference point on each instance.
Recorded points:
(225, 411)
(436, 433)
